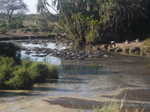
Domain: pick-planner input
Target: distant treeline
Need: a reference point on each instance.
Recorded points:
(93, 21)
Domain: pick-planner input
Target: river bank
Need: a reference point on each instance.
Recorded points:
(82, 89)
(132, 48)
(81, 82)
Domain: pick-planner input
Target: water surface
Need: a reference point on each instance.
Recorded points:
(92, 78)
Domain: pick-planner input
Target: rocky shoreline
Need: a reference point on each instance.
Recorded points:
(134, 48)
(99, 51)
(67, 54)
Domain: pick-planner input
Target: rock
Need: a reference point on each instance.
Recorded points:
(137, 40)
(39, 55)
(111, 50)
(126, 42)
(127, 50)
(89, 56)
(118, 50)
(105, 56)
(28, 52)
(135, 50)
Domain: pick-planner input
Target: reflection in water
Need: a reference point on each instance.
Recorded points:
(83, 69)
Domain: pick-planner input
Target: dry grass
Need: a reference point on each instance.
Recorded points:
(146, 43)
(108, 108)
(114, 107)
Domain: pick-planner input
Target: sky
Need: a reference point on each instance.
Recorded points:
(32, 4)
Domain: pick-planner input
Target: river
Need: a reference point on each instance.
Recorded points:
(102, 80)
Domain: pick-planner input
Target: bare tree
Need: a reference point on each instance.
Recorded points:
(9, 7)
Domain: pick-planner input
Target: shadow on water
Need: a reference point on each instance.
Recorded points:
(84, 70)
(36, 91)
(72, 81)
(14, 94)
(51, 89)
(75, 103)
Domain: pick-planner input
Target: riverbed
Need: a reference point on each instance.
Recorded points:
(97, 80)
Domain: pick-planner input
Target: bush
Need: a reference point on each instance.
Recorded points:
(6, 69)
(24, 75)
(9, 50)
(52, 72)
(20, 80)
(108, 108)
(114, 107)
(146, 43)
(35, 30)
(27, 30)
(40, 72)
(3, 27)
(3, 30)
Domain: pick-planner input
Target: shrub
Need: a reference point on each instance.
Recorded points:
(9, 50)
(35, 30)
(52, 72)
(40, 72)
(3, 27)
(114, 107)
(6, 69)
(108, 108)
(3, 30)
(146, 43)
(27, 30)
(20, 80)
(25, 74)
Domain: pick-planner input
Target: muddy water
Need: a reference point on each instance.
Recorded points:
(92, 79)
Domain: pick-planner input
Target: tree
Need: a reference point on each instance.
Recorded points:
(9, 7)
(89, 21)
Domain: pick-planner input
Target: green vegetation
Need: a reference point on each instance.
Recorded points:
(114, 107)
(147, 43)
(3, 27)
(10, 50)
(24, 75)
(97, 21)
(108, 108)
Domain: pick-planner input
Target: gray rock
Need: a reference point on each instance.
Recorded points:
(135, 50)
(111, 50)
(127, 50)
(118, 50)
(105, 56)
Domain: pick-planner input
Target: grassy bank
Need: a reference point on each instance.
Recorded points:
(25, 74)
(116, 108)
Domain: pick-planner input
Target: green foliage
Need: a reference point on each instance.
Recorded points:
(6, 69)
(108, 108)
(52, 72)
(24, 75)
(91, 21)
(27, 30)
(16, 23)
(146, 43)
(40, 72)
(3, 27)
(20, 80)
(9, 50)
